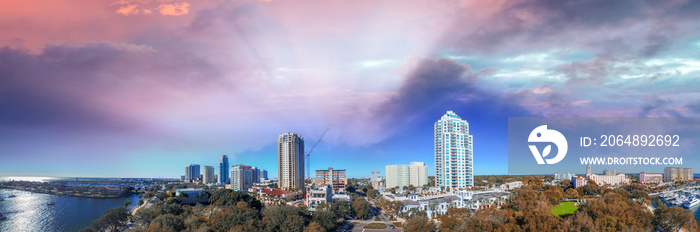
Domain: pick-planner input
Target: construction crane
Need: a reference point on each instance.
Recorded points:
(308, 155)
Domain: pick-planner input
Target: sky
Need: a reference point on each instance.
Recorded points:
(142, 88)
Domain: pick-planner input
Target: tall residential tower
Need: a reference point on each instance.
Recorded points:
(453, 153)
(224, 170)
(192, 173)
(208, 175)
(290, 159)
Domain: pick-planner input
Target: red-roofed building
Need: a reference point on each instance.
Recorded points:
(271, 196)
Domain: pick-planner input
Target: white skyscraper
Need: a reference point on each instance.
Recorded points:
(290, 157)
(453, 153)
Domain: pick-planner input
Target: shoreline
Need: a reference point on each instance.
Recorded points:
(69, 195)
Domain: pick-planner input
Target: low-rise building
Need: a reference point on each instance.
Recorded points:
(511, 185)
(316, 195)
(650, 177)
(611, 180)
(270, 196)
(438, 205)
(578, 181)
(192, 195)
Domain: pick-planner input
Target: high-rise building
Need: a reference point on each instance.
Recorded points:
(588, 170)
(209, 177)
(192, 173)
(454, 165)
(224, 170)
(263, 174)
(333, 177)
(241, 177)
(376, 179)
(672, 174)
(290, 156)
(415, 174)
(255, 174)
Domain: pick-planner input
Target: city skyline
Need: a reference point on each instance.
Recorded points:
(168, 84)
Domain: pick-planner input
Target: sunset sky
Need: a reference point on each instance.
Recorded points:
(142, 88)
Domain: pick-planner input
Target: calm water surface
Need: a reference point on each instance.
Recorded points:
(30, 212)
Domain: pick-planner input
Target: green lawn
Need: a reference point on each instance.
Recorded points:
(564, 208)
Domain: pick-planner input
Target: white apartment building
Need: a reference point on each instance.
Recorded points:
(454, 165)
(415, 174)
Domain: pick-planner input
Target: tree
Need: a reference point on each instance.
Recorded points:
(285, 218)
(674, 218)
(373, 193)
(167, 222)
(418, 223)
(140, 202)
(341, 209)
(314, 227)
(325, 219)
(242, 217)
(361, 207)
(127, 203)
(226, 197)
(571, 193)
(111, 220)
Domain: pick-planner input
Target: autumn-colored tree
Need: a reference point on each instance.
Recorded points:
(418, 224)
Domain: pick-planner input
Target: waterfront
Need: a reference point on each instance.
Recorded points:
(29, 211)
(695, 209)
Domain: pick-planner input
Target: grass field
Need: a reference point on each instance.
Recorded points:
(375, 226)
(564, 208)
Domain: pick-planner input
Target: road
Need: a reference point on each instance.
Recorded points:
(358, 225)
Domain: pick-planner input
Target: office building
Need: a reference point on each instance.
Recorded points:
(454, 166)
(650, 178)
(415, 174)
(672, 174)
(263, 174)
(192, 173)
(241, 177)
(333, 177)
(609, 172)
(255, 174)
(209, 177)
(290, 159)
(224, 170)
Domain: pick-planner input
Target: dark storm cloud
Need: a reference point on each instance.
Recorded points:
(90, 87)
(532, 24)
(600, 70)
(437, 85)
(658, 107)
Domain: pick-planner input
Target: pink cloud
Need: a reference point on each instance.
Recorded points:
(128, 10)
(180, 8)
